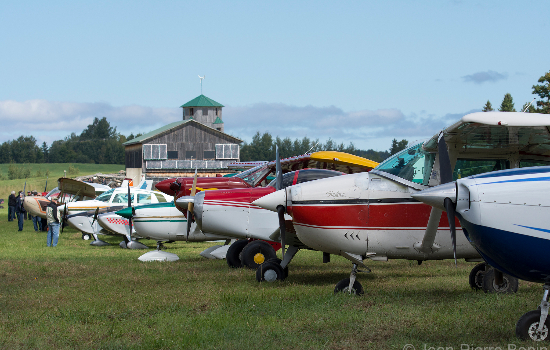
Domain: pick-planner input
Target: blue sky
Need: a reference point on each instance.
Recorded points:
(355, 71)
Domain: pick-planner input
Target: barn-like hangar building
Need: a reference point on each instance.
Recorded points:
(175, 150)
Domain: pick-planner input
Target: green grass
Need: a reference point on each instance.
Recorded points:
(56, 171)
(76, 296)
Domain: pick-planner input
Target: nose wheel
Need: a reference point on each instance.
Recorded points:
(350, 285)
(534, 325)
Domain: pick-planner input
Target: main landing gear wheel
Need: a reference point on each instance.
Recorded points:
(86, 236)
(233, 256)
(527, 327)
(343, 287)
(256, 253)
(476, 276)
(271, 271)
(509, 284)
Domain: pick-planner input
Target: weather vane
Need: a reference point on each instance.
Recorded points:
(201, 78)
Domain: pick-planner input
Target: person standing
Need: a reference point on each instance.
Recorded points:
(53, 214)
(11, 206)
(36, 220)
(20, 210)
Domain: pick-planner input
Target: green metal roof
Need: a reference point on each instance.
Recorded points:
(173, 125)
(218, 121)
(202, 101)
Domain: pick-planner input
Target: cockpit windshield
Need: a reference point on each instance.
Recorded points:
(254, 175)
(105, 196)
(412, 164)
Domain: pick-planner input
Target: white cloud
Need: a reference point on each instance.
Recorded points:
(367, 129)
(48, 121)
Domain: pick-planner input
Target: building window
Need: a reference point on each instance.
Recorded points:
(227, 151)
(209, 155)
(219, 129)
(191, 155)
(152, 151)
(172, 154)
(190, 112)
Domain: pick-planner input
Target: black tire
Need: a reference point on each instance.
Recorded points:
(270, 271)
(526, 328)
(256, 253)
(509, 286)
(233, 253)
(343, 287)
(279, 261)
(476, 276)
(86, 236)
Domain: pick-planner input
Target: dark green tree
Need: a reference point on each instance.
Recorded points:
(44, 152)
(507, 104)
(543, 91)
(488, 107)
(397, 146)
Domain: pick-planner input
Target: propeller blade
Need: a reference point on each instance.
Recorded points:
(281, 214)
(95, 215)
(190, 205)
(450, 208)
(64, 218)
(444, 160)
(278, 170)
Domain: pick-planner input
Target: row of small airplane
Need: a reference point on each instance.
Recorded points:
(473, 191)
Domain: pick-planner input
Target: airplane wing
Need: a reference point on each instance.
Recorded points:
(492, 134)
(340, 161)
(73, 186)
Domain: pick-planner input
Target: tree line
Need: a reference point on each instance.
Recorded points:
(542, 105)
(263, 146)
(99, 143)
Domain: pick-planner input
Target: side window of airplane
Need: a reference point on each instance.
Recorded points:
(468, 167)
(144, 198)
(315, 174)
(122, 198)
(105, 196)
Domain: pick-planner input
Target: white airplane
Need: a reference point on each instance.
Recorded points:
(504, 214)
(373, 215)
(80, 214)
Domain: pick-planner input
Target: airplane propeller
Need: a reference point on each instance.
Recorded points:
(280, 209)
(64, 218)
(190, 205)
(446, 177)
(129, 237)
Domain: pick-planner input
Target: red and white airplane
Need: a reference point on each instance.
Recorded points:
(373, 215)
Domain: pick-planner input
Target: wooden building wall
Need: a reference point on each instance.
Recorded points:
(191, 137)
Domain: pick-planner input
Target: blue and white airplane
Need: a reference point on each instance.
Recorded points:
(506, 216)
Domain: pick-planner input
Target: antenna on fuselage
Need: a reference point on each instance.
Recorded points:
(312, 147)
(529, 105)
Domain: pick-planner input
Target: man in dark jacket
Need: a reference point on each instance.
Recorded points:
(20, 210)
(11, 206)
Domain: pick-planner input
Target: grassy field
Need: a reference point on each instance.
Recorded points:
(56, 171)
(76, 296)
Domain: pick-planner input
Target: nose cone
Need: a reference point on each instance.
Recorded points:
(125, 213)
(435, 196)
(183, 201)
(272, 200)
(164, 186)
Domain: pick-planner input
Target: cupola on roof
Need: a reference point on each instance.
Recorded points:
(202, 101)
